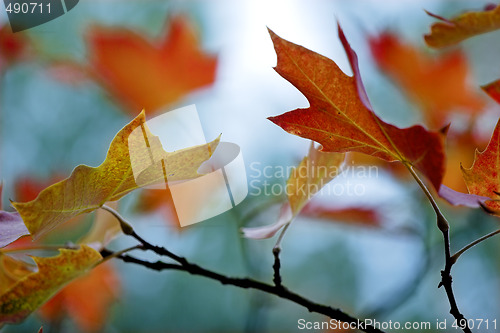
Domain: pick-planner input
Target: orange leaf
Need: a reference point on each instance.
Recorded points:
(360, 215)
(493, 89)
(86, 299)
(483, 178)
(439, 85)
(27, 188)
(340, 116)
(457, 29)
(146, 75)
(151, 200)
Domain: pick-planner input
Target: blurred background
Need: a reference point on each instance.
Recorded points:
(374, 252)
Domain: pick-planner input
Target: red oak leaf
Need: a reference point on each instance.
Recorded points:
(340, 117)
(483, 178)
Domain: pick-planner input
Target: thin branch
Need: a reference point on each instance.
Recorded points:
(446, 282)
(248, 283)
(183, 265)
(129, 230)
(107, 255)
(277, 267)
(446, 278)
(474, 243)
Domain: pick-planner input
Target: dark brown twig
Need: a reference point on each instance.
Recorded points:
(248, 283)
(446, 278)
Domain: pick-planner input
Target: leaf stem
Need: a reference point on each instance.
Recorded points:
(474, 243)
(442, 223)
(126, 227)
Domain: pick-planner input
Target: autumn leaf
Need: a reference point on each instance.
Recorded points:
(340, 116)
(438, 85)
(457, 198)
(12, 270)
(104, 228)
(11, 228)
(493, 89)
(469, 24)
(483, 177)
(149, 75)
(350, 215)
(88, 188)
(162, 200)
(32, 290)
(13, 46)
(314, 171)
(86, 299)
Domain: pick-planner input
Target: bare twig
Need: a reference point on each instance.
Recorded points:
(277, 267)
(248, 283)
(446, 278)
(474, 243)
(183, 265)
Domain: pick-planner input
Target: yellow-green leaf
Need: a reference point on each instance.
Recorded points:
(88, 188)
(309, 177)
(32, 290)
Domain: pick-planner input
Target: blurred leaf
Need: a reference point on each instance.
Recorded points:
(315, 170)
(32, 290)
(438, 85)
(150, 76)
(340, 116)
(89, 188)
(13, 46)
(461, 199)
(268, 231)
(104, 229)
(86, 299)
(27, 188)
(483, 177)
(68, 72)
(11, 228)
(453, 31)
(152, 200)
(493, 89)
(308, 178)
(360, 215)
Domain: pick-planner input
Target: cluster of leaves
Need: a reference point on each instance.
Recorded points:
(340, 118)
